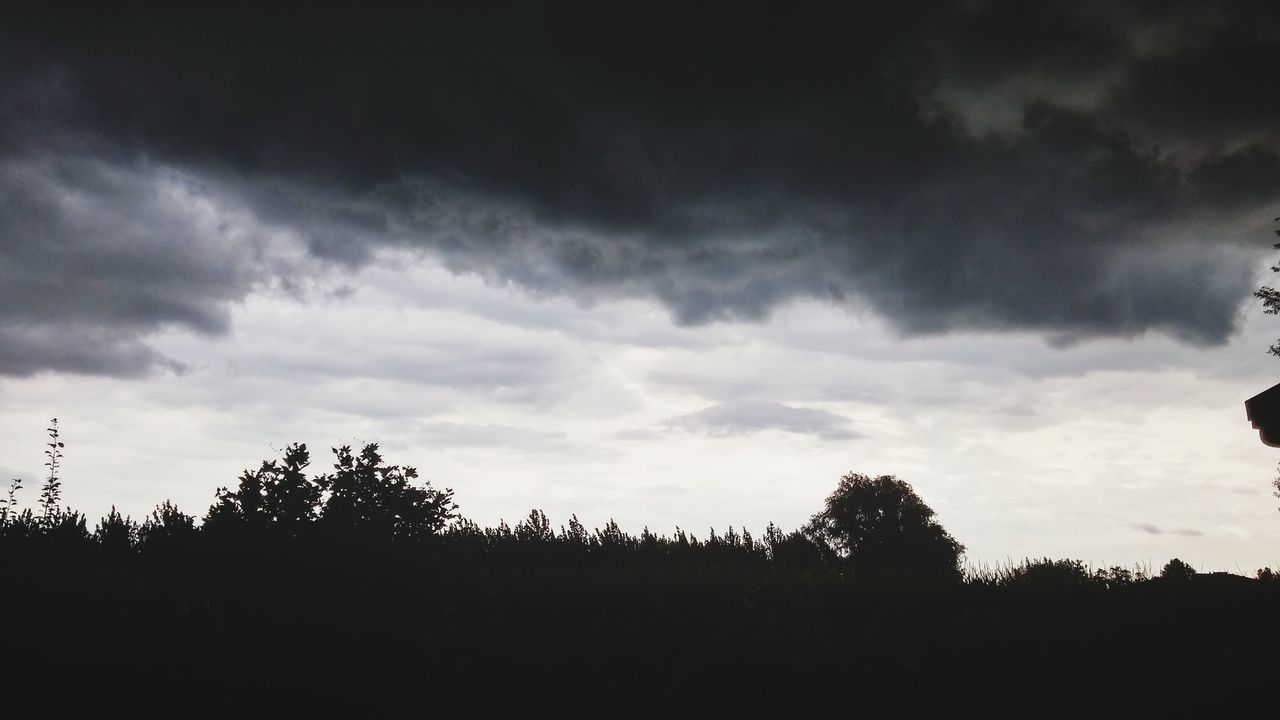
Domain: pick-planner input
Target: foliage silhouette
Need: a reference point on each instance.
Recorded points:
(1270, 298)
(880, 525)
(1177, 570)
(116, 535)
(51, 491)
(362, 591)
(11, 500)
(368, 496)
(278, 495)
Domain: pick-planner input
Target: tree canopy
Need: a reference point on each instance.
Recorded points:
(878, 525)
(1270, 298)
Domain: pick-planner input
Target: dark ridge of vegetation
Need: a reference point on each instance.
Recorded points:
(361, 590)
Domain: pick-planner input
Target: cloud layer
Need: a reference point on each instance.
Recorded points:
(1082, 170)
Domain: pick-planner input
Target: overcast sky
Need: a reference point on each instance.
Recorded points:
(675, 268)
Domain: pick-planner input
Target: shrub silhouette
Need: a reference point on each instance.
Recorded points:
(794, 551)
(168, 536)
(278, 497)
(880, 525)
(1052, 574)
(1177, 570)
(116, 535)
(370, 497)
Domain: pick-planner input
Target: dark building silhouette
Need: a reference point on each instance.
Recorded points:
(1263, 411)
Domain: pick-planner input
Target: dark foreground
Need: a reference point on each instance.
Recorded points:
(599, 629)
(360, 592)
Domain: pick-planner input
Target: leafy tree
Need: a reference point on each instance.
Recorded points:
(1051, 574)
(1270, 298)
(277, 496)
(535, 528)
(576, 533)
(878, 525)
(382, 500)
(1176, 569)
(1276, 484)
(243, 507)
(168, 532)
(793, 551)
(65, 531)
(290, 499)
(116, 535)
(1118, 577)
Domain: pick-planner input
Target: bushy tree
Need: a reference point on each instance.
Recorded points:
(1051, 574)
(277, 496)
(1178, 570)
(168, 533)
(880, 525)
(793, 551)
(370, 496)
(535, 529)
(116, 535)
(290, 498)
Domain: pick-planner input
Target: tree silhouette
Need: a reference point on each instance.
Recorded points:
(369, 496)
(878, 525)
(116, 535)
(291, 500)
(277, 496)
(168, 533)
(1270, 298)
(793, 551)
(1177, 570)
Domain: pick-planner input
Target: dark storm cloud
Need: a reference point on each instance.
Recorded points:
(1074, 169)
(96, 257)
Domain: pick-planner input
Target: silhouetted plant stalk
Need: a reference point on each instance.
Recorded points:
(51, 492)
(10, 509)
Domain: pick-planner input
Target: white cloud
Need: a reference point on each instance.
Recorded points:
(1024, 449)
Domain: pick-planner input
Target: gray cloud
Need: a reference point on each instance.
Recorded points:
(95, 257)
(744, 417)
(1082, 170)
(78, 348)
(1155, 530)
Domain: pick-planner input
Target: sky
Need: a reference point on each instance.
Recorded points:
(679, 268)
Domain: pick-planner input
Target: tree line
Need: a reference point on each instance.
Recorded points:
(363, 588)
